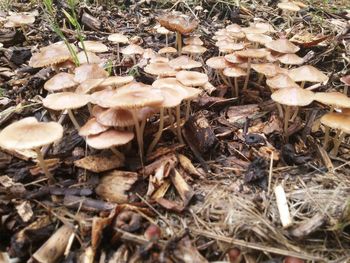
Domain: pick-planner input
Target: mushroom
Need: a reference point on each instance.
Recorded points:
(193, 50)
(59, 82)
(167, 51)
(193, 40)
(93, 46)
(289, 7)
(307, 73)
(28, 133)
(89, 85)
(282, 45)
(184, 62)
(88, 57)
(234, 72)
(290, 59)
(118, 39)
(66, 101)
(346, 81)
(89, 71)
(219, 64)
(258, 39)
(20, 20)
(163, 31)
(92, 127)
(160, 69)
(340, 122)
(281, 81)
(266, 69)
(116, 81)
(132, 50)
(292, 97)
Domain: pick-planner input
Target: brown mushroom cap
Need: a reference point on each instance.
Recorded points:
(345, 80)
(229, 47)
(113, 117)
(116, 81)
(89, 71)
(88, 86)
(118, 38)
(281, 81)
(167, 50)
(265, 26)
(92, 127)
(60, 81)
(307, 73)
(289, 6)
(259, 38)
(172, 96)
(159, 59)
(293, 96)
(336, 99)
(267, 69)
(234, 72)
(193, 49)
(18, 19)
(184, 62)
(217, 62)
(93, 46)
(282, 45)
(290, 59)
(28, 133)
(337, 121)
(160, 69)
(191, 78)
(101, 95)
(252, 53)
(234, 59)
(109, 139)
(132, 49)
(193, 41)
(65, 100)
(93, 58)
(50, 55)
(178, 22)
(187, 92)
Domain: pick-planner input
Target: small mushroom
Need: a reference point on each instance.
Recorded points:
(118, 39)
(346, 81)
(93, 46)
(20, 20)
(59, 82)
(307, 73)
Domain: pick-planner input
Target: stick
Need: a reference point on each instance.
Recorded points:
(282, 206)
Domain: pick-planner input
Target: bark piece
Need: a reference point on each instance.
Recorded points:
(91, 22)
(99, 163)
(87, 204)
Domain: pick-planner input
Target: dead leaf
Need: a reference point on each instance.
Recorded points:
(25, 211)
(99, 163)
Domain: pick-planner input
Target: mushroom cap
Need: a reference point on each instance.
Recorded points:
(336, 99)
(149, 53)
(217, 62)
(18, 19)
(293, 96)
(194, 40)
(50, 55)
(234, 59)
(89, 71)
(93, 46)
(267, 69)
(281, 81)
(191, 78)
(282, 45)
(337, 121)
(234, 28)
(259, 38)
(60, 81)
(252, 53)
(28, 133)
(172, 96)
(289, 6)
(116, 81)
(65, 100)
(88, 86)
(254, 30)
(160, 69)
(118, 38)
(159, 59)
(184, 62)
(345, 80)
(162, 30)
(264, 25)
(234, 72)
(177, 21)
(290, 59)
(132, 49)
(113, 117)
(193, 49)
(92, 127)
(307, 73)
(133, 98)
(109, 139)
(167, 50)
(101, 95)
(93, 58)
(229, 47)
(187, 92)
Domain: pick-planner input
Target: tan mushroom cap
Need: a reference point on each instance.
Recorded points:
(118, 38)
(65, 100)
(133, 86)
(21, 19)
(149, 53)
(336, 99)
(88, 86)
(51, 55)
(193, 41)
(93, 58)
(234, 72)
(289, 6)
(94, 46)
(345, 80)
(234, 58)
(184, 62)
(60, 81)
(193, 49)
(187, 92)
(337, 121)
(259, 38)
(167, 50)
(113, 117)
(252, 53)
(307, 73)
(267, 69)
(282, 45)
(172, 96)
(162, 30)
(92, 127)
(132, 49)
(254, 30)
(116, 81)
(89, 71)
(264, 25)
(160, 69)
(281, 81)
(159, 59)
(230, 47)
(101, 95)
(109, 139)
(293, 96)
(217, 62)
(233, 28)
(178, 22)
(28, 133)
(133, 99)
(290, 59)
(191, 78)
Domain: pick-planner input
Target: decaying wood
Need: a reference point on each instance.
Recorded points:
(185, 191)
(87, 204)
(91, 22)
(99, 163)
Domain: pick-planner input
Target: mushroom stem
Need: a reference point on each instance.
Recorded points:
(178, 124)
(178, 42)
(159, 133)
(286, 119)
(302, 84)
(346, 90)
(118, 154)
(280, 110)
(24, 33)
(73, 119)
(138, 133)
(143, 125)
(295, 114)
(326, 137)
(89, 108)
(188, 109)
(261, 76)
(118, 54)
(236, 87)
(248, 73)
(224, 78)
(338, 140)
(166, 40)
(43, 166)
(171, 118)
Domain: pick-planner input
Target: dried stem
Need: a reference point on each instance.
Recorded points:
(159, 133)
(138, 133)
(73, 119)
(248, 73)
(43, 166)
(178, 124)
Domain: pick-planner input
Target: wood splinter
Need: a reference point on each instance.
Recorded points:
(282, 206)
